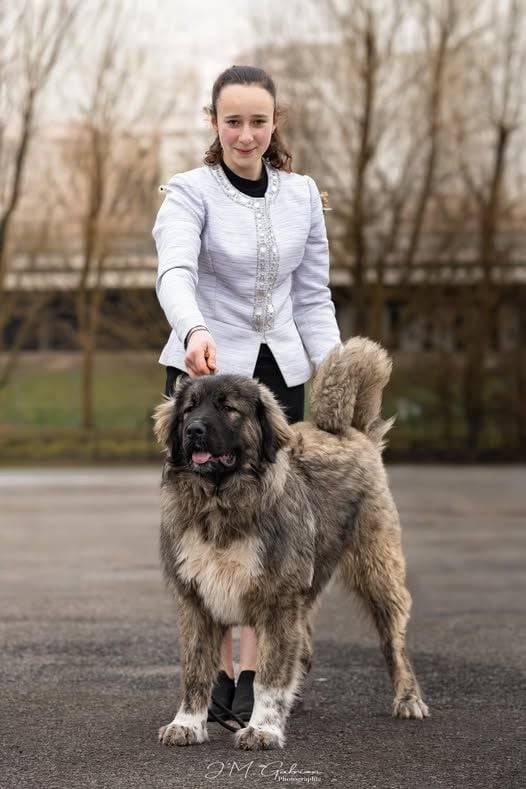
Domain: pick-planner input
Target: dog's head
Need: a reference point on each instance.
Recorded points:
(221, 425)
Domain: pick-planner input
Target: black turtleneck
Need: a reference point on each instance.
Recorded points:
(247, 185)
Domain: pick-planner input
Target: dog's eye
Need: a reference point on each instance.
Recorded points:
(188, 409)
(229, 408)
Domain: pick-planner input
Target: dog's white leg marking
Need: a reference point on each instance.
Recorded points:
(266, 728)
(187, 728)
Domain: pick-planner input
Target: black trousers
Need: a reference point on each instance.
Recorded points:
(291, 398)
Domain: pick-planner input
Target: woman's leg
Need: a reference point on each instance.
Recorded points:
(227, 660)
(247, 649)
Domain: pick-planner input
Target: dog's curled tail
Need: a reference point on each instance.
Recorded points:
(347, 390)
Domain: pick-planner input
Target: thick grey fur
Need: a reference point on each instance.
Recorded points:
(256, 544)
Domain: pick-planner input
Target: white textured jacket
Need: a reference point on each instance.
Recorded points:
(252, 269)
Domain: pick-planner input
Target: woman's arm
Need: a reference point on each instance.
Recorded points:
(313, 309)
(177, 234)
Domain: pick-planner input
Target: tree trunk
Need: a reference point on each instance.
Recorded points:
(86, 391)
(356, 240)
(376, 312)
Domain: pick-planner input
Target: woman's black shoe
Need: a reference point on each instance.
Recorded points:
(244, 697)
(222, 691)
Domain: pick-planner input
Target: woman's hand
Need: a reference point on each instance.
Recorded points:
(200, 358)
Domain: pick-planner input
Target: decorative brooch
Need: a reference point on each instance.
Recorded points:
(325, 201)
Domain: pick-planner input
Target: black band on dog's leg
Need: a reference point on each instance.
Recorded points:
(242, 723)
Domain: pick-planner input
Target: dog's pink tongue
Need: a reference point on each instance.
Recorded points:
(201, 457)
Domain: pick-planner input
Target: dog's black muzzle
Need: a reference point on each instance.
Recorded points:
(203, 454)
(195, 434)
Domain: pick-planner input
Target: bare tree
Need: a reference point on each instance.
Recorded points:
(342, 92)
(375, 100)
(496, 82)
(112, 167)
(32, 39)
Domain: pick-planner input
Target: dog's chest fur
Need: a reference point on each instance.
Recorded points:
(222, 576)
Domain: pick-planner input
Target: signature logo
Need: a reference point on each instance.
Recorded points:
(276, 770)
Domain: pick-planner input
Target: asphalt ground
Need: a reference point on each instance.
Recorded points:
(90, 666)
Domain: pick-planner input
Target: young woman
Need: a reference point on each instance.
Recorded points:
(243, 278)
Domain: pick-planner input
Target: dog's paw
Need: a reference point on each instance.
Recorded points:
(179, 734)
(410, 707)
(252, 739)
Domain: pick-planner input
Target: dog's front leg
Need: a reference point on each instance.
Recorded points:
(277, 678)
(200, 642)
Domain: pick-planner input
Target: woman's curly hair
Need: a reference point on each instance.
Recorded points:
(276, 154)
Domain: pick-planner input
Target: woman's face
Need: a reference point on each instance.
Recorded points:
(244, 123)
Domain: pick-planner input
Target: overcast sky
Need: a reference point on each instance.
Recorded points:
(202, 34)
(199, 36)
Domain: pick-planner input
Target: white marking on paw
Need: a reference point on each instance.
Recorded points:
(271, 708)
(194, 721)
(251, 739)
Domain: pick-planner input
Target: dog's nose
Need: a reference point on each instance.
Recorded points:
(196, 429)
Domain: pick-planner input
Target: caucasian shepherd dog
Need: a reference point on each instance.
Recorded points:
(258, 516)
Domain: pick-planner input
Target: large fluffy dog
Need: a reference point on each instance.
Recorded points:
(258, 516)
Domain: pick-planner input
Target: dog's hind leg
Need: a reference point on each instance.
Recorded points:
(278, 674)
(375, 570)
(200, 642)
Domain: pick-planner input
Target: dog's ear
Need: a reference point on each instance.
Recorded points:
(275, 431)
(162, 421)
(167, 416)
